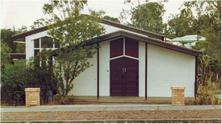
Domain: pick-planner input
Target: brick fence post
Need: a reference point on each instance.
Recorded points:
(32, 96)
(177, 95)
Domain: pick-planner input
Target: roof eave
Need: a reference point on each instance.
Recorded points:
(152, 41)
(104, 21)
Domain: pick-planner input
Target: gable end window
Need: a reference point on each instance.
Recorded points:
(44, 42)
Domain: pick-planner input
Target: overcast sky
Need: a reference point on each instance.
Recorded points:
(25, 12)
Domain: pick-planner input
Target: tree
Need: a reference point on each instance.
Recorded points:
(147, 16)
(5, 50)
(71, 30)
(21, 30)
(6, 35)
(40, 74)
(208, 23)
(40, 23)
(20, 48)
(111, 19)
(6, 38)
(13, 81)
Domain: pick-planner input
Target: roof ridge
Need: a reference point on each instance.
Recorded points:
(104, 21)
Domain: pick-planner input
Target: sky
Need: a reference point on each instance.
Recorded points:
(24, 12)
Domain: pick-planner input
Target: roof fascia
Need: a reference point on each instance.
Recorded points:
(104, 21)
(148, 40)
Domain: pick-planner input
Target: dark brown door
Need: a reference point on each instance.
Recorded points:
(124, 77)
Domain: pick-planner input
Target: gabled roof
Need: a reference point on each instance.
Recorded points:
(104, 21)
(148, 40)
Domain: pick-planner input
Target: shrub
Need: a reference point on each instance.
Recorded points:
(37, 73)
(59, 99)
(13, 83)
(205, 95)
(41, 75)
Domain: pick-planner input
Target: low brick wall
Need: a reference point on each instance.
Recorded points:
(32, 96)
(177, 95)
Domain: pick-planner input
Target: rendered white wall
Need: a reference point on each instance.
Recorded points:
(168, 68)
(141, 69)
(110, 29)
(29, 40)
(104, 73)
(86, 83)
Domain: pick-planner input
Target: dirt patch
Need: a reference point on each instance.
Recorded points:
(100, 115)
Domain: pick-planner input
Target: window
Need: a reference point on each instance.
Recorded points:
(36, 52)
(36, 43)
(46, 42)
(57, 44)
(131, 47)
(124, 47)
(116, 48)
(43, 43)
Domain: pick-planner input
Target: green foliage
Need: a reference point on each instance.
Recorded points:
(6, 35)
(111, 19)
(6, 38)
(40, 23)
(147, 16)
(71, 30)
(59, 99)
(21, 30)
(206, 94)
(20, 48)
(207, 85)
(13, 83)
(41, 75)
(37, 73)
(5, 50)
(206, 22)
(218, 91)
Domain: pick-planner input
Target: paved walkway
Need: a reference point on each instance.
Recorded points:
(46, 108)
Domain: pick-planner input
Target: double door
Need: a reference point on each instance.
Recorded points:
(124, 77)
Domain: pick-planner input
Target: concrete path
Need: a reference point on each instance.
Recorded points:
(46, 108)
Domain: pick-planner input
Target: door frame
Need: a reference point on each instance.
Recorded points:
(137, 74)
(121, 57)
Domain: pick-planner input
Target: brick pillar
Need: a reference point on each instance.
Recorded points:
(177, 95)
(32, 96)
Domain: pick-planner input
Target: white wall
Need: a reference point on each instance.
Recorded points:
(110, 29)
(86, 83)
(104, 67)
(29, 40)
(168, 68)
(141, 69)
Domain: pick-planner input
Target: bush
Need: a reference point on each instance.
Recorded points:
(59, 99)
(37, 73)
(205, 95)
(13, 83)
(41, 75)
